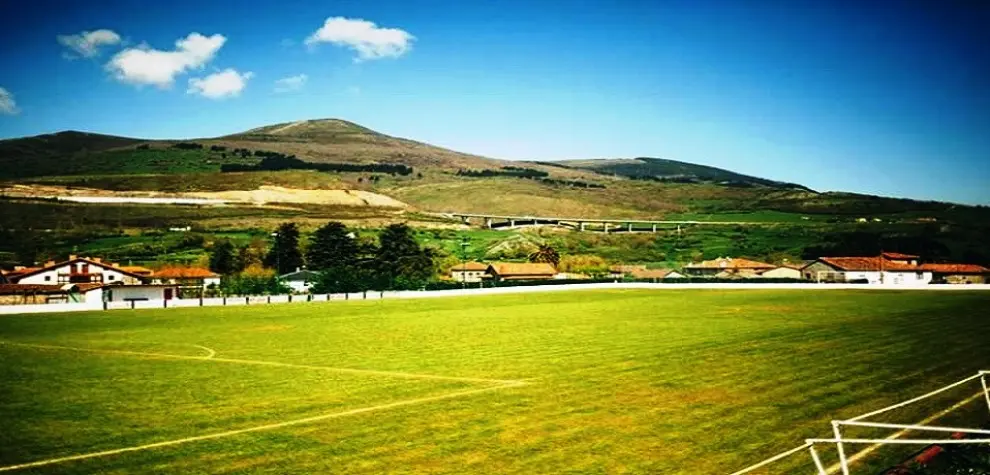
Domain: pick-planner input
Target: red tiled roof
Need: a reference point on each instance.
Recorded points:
(20, 289)
(866, 264)
(20, 272)
(956, 268)
(731, 263)
(184, 273)
(137, 270)
(513, 269)
(96, 262)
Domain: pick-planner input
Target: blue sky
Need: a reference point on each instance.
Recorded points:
(890, 99)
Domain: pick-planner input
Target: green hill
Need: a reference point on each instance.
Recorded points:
(441, 179)
(671, 171)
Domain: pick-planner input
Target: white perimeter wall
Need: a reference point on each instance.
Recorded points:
(120, 293)
(414, 294)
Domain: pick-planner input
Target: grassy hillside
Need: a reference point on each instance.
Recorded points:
(679, 382)
(645, 188)
(660, 169)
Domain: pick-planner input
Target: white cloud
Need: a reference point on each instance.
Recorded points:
(144, 65)
(87, 44)
(291, 83)
(226, 83)
(7, 104)
(370, 41)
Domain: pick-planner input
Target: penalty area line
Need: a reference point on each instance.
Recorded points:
(266, 427)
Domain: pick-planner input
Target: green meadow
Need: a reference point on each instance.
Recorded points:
(619, 381)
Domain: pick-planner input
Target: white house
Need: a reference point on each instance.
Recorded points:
(469, 272)
(300, 281)
(192, 281)
(887, 268)
(76, 270)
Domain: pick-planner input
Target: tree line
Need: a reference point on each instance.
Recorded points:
(274, 161)
(345, 261)
(527, 173)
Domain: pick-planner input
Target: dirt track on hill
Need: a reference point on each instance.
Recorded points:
(264, 195)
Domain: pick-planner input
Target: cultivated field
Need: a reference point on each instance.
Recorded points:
(684, 381)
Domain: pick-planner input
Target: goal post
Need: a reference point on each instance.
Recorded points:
(841, 443)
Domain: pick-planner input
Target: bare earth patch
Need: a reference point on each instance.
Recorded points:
(278, 194)
(264, 195)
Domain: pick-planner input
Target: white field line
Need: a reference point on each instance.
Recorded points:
(869, 450)
(774, 459)
(266, 427)
(211, 351)
(394, 374)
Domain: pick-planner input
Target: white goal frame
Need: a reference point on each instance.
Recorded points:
(860, 421)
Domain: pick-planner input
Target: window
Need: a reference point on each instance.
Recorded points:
(48, 278)
(111, 277)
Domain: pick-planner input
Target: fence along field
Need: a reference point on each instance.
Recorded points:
(682, 381)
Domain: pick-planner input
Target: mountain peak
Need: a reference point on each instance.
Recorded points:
(312, 129)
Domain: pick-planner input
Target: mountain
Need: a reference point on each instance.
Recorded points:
(672, 171)
(427, 177)
(62, 144)
(336, 140)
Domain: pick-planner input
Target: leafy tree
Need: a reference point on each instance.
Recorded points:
(583, 263)
(285, 255)
(332, 245)
(222, 258)
(545, 253)
(401, 263)
(254, 280)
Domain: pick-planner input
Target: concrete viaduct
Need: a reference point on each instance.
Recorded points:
(493, 221)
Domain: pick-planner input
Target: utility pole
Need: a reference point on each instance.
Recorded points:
(278, 256)
(464, 246)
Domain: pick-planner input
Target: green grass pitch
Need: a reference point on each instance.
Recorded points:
(674, 381)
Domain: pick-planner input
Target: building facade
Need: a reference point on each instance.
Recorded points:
(523, 271)
(887, 268)
(469, 272)
(75, 270)
(300, 281)
(726, 267)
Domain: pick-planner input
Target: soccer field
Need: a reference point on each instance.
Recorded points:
(623, 381)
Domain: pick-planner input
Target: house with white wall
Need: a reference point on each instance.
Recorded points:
(888, 268)
(300, 281)
(192, 281)
(76, 270)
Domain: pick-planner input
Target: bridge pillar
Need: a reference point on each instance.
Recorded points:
(629, 227)
(654, 227)
(488, 223)
(512, 223)
(465, 220)
(606, 227)
(581, 225)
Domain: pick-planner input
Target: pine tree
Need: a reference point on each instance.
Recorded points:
(284, 255)
(222, 258)
(332, 246)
